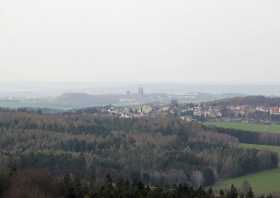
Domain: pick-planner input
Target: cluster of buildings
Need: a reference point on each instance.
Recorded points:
(130, 111)
(186, 112)
(199, 112)
(142, 105)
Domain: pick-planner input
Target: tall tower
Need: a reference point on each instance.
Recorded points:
(140, 91)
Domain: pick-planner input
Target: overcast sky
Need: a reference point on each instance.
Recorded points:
(140, 40)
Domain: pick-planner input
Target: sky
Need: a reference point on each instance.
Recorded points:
(140, 40)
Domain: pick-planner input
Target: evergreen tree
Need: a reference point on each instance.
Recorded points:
(250, 194)
(233, 193)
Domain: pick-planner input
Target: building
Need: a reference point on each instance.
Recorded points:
(141, 91)
(174, 103)
(275, 110)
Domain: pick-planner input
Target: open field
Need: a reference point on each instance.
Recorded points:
(262, 147)
(262, 182)
(251, 127)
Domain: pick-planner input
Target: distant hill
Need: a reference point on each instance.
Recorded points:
(249, 100)
(85, 100)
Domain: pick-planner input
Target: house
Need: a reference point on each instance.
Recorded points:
(275, 110)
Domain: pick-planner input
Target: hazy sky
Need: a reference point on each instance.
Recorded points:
(140, 40)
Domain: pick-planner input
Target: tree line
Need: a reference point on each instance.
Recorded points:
(250, 137)
(39, 183)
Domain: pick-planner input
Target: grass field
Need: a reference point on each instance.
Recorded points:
(251, 127)
(262, 182)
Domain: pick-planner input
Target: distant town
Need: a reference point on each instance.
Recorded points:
(76, 100)
(189, 106)
(248, 109)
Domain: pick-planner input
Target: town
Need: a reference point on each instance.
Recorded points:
(204, 111)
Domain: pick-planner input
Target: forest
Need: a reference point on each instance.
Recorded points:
(162, 150)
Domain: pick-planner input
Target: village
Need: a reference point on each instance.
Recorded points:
(199, 112)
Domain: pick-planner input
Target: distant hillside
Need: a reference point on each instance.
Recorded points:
(249, 100)
(85, 100)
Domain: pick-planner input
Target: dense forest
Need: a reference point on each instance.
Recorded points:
(155, 150)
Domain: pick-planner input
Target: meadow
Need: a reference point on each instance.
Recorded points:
(262, 182)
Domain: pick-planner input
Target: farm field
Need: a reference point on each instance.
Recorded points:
(251, 127)
(262, 182)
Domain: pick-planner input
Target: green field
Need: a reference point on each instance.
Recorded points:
(262, 147)
(262, 182)
(251, 127)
